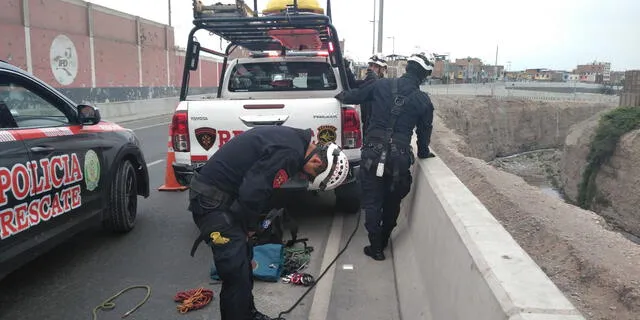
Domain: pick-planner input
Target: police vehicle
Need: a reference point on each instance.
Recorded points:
(293, 72)
(62, 169)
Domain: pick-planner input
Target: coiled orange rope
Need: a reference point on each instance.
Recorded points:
(193, 299)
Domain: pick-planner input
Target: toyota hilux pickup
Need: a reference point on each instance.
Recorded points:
(294, 70)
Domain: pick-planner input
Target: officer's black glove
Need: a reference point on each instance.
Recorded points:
(424, 154)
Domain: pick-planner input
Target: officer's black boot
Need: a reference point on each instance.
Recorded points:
(374, 250)
(386, 234)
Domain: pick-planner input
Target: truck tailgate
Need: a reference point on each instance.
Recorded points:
(213, 123)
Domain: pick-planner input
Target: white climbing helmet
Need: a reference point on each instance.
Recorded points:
(336, 171)
(422, 60)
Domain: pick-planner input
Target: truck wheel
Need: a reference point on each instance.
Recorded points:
(123, 200)
(347, 205)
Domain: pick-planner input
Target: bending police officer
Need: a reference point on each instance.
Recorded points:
(228, 194)
(397, 107)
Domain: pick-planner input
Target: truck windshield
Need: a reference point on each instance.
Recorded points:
(282, 76)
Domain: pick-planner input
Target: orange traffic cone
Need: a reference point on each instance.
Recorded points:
(170, 182)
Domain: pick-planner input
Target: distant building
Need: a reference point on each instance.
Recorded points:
(595, 72)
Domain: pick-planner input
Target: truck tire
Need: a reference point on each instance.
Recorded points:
(123, 200)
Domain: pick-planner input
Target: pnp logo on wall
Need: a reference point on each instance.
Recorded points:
(64, 60)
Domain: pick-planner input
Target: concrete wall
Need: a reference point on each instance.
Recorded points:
(94, 54)
(455, 261)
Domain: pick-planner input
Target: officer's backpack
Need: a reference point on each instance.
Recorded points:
(273, 226)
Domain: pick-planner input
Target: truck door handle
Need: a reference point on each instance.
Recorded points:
(42, 149)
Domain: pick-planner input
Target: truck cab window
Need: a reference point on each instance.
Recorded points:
(27, 109)
(282, 76)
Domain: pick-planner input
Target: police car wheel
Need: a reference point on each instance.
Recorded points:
(123, 200)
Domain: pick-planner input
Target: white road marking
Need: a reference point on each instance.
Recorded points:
(152, 126)
(347, 267)
(322, 294)
(150, 164)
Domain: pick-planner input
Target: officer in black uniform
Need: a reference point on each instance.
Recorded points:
(398, 106)
(228, 194)
(373, 71)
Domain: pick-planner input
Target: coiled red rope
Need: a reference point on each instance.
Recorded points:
(193, 299)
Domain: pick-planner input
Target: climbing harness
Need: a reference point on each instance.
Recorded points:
(193, 299)
(346, 245)
(109, 304)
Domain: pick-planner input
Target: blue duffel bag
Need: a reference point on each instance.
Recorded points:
(268, 261)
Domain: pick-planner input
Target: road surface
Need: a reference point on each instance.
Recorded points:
(70, 281)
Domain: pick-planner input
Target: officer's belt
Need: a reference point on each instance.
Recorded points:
(199, 187)
(377, 136)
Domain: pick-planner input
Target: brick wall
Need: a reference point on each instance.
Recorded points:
(95, 54)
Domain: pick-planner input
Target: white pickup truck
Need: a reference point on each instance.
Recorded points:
(286, 87)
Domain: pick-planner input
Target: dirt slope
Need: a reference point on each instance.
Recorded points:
(597, 269)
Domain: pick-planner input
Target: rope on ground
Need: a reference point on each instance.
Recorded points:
(193, 299)
(296, 259)
(109, 304)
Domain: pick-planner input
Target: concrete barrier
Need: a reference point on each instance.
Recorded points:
(141, 109)
(137, 109)
(454, 260)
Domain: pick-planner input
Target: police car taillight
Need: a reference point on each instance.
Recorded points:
(351, 133)
(180, 132)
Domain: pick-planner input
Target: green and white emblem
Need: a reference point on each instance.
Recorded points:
(91, 170)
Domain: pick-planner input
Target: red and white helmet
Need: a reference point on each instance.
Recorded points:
(336, 171)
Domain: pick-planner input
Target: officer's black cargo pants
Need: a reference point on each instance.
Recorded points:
(232, 259)
(381, 202)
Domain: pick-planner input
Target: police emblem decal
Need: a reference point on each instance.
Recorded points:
(280, 179)
(91, 170)
(206, 137)
(327, 134)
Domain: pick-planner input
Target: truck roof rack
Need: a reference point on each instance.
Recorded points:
(292, 29)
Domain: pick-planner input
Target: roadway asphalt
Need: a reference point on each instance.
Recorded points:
(75, 277)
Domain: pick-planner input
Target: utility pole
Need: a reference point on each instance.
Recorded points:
(380, 28)
(495, 73)
(169, 2)
(373, 23)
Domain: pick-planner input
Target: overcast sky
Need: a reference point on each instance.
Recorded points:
(556, 34)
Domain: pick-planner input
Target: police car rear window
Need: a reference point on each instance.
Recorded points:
(282, 76)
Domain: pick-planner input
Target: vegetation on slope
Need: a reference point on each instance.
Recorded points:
(613, 125)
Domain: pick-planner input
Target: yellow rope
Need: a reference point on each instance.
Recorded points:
(109, 304)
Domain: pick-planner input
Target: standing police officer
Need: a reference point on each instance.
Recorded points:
(228, 194)
(398, 106)
(373, 73)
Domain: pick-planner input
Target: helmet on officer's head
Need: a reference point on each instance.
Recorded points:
(422, 61)
(336, 169)
(377, 61)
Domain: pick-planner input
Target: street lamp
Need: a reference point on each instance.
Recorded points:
(394, 44)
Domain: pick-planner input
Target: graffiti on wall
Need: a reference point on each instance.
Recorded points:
(64, 60)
